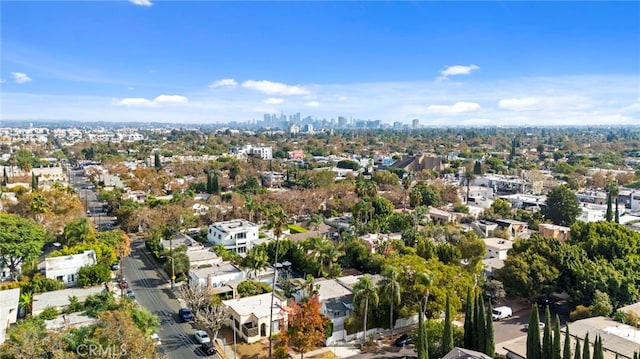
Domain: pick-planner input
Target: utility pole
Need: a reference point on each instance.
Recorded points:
(173, 273)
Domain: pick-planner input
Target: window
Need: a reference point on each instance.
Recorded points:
(242, 235)
(71, 278)
(241, 250)
(60, 278)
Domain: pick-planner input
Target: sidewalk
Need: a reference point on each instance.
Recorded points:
(343, 351)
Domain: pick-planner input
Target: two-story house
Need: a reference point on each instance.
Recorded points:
(235, 235)
(249, 316)
(65, 268)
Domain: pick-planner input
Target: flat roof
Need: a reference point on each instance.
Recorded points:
(331, 288)
(234, 224)
(499, 243)
(60, 298)
(215, 270)
(258, 305)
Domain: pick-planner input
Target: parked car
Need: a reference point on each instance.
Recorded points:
(545, 301)
(402, 340)
(540, 326)
(208, 348)
(124, 284)
(115, 267)
(156, 338)
(131, 294)
(185, 314)
(201, 336)
(500, 313)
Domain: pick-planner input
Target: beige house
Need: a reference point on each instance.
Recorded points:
(560, 233)
(249, 316)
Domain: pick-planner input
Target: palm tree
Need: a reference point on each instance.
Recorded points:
(26, 301)
(327, 254)
(390, 286)
(364, 292)
(316, 220)
(406, 185)
(468, 178)
(257, 260)
(277, 221)
(425, 279)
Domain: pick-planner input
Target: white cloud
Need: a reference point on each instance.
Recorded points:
(273, 101)
(21, 77)
(143, 102)
(170, 99)
(141, 2)
(135, 102)
(458, 107)
(274, 88)
(224, 83)
(519, 104)
(312, 104)
(457, 70)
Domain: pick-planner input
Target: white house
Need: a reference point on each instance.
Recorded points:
(215, 276)
(66, 268)
(249, 316)
(235, 235)
(592, 213)
(8, 310)
(497, 247)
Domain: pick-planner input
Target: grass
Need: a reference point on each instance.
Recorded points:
(324, 355)
(297, 229)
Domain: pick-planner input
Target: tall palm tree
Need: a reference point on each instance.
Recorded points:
(364, 292)
(468, 178)
(276, 221)
(257, 260)
(327, 254)
(251, 206)
(390, 286)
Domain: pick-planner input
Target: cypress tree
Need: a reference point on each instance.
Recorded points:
(447, 336)
(477, 168)
(598, 353)
(533, 335)
(423, 347)
(586, 350)
(480, 326)
(557, 341)
(215, 185)
(468, 321)
(209, 184)
(617, 218)
(609, 215)
(34, 182)
(547, 340)
(156, 161)
(5, 176)
(576, 354)
(566, 354)
(490, 345)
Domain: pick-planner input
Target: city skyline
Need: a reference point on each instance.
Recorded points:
(444, 63)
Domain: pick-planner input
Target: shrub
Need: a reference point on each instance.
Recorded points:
(581, 312)
(98, 303)
(49, 313)
(92, 275)
(74, 305)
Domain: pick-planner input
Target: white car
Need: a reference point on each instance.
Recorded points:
(202, 337)
(540, 326)
(156, 338)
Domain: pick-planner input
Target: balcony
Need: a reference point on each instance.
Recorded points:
(250, 329)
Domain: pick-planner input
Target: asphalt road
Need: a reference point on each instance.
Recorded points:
(87, 194)
(153, 293)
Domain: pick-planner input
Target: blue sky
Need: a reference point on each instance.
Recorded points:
(446, 63)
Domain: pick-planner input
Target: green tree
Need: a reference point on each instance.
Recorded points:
(479, 323)
(547, 338)
(422, 347)
(390, 286)
(257, 260)
(34, 182)
(447, 337)
(501, 208)
(477, 168)
(566, 352)
(557, 340)
(24, 160)
(576, 353)
(156, 161)
(601, 304)
(92, 275)
(364, 292)
(469, 316)
(562, 206)
(490, 345)
(533, 335)
(586, 349)
(21, 240)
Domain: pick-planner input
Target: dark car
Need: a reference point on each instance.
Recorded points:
(185, 315)
(545, 301)
(402, 340)
(208, 348)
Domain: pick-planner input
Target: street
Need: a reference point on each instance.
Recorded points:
(154, 293)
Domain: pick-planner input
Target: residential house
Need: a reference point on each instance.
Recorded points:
(59, 299)
(66, 268)
(497, 247)
(513, 228)
(425, 161)
(215, 276)
(199, 209)
(592, 213)
(296, 155)
(249, 316)
(461, 353)
(235, 235)
(560, 233)
(8, 310)
(202, 256)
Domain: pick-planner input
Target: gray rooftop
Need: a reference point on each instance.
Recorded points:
(215, 270)
(60, 298)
